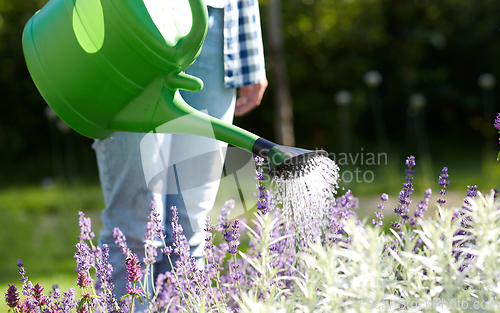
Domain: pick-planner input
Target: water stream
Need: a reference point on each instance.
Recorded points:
(306, 194)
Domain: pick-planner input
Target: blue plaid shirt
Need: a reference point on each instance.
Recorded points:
(243, 48)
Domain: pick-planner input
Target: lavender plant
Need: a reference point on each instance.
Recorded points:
(443, 182)
(404, 200)
(424, 264)
(381, 207)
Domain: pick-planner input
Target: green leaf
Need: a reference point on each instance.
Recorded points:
(498, 157)
(139, 297)
(82, 302)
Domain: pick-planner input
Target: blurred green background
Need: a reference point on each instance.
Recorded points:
(430, 103)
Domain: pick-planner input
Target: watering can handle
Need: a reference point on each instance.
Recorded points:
(198, 31)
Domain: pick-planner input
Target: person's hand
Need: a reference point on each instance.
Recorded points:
(249, 97)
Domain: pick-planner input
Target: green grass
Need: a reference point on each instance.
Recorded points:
(40, 226)
(63, 281)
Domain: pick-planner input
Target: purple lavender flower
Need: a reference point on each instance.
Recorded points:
(410, 161)
(265, 202)
(39, 296)
(396, 225)
(470, 193)
(104, 269)
(227, 231)
(180, 244)
(421, 208)
(179, 247)
(157, 222)
(384, 197)
(208, 246)
(418, 244)
(175, 214)
(236, 275)
(124, 305)
(341, 209)
(259, 161)
(12, 296)
(68, 300)
(230, 230)
(28, 305)
(234, 243)
(443, 182)
(56, 295)
(208, 224)
(403, 209)
(27, 288)
(167, 250)
(225, 212)
(176, 228)
(121, 241)
(379, 215)
(103, 273)
(83, 279)
(259, 174)
(21, 271)
(154, 229)
(133, 290)
(20, 264)
(84, 257)
(85, 227)
(134, 272)
(465, 222)
(166, 291)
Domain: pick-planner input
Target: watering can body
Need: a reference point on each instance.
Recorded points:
(104, 65)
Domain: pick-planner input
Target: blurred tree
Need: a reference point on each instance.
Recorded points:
(21, 121)
(435, 47)
(283, 103)
(24, 131)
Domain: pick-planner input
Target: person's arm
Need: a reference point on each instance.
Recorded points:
(249, 97)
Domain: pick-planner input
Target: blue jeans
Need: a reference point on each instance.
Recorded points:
(122, 177)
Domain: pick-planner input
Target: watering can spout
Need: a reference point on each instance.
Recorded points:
(284, 160)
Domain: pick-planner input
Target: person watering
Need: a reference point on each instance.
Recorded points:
(231, 58)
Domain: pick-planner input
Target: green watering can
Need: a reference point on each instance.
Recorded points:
(117, 65)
